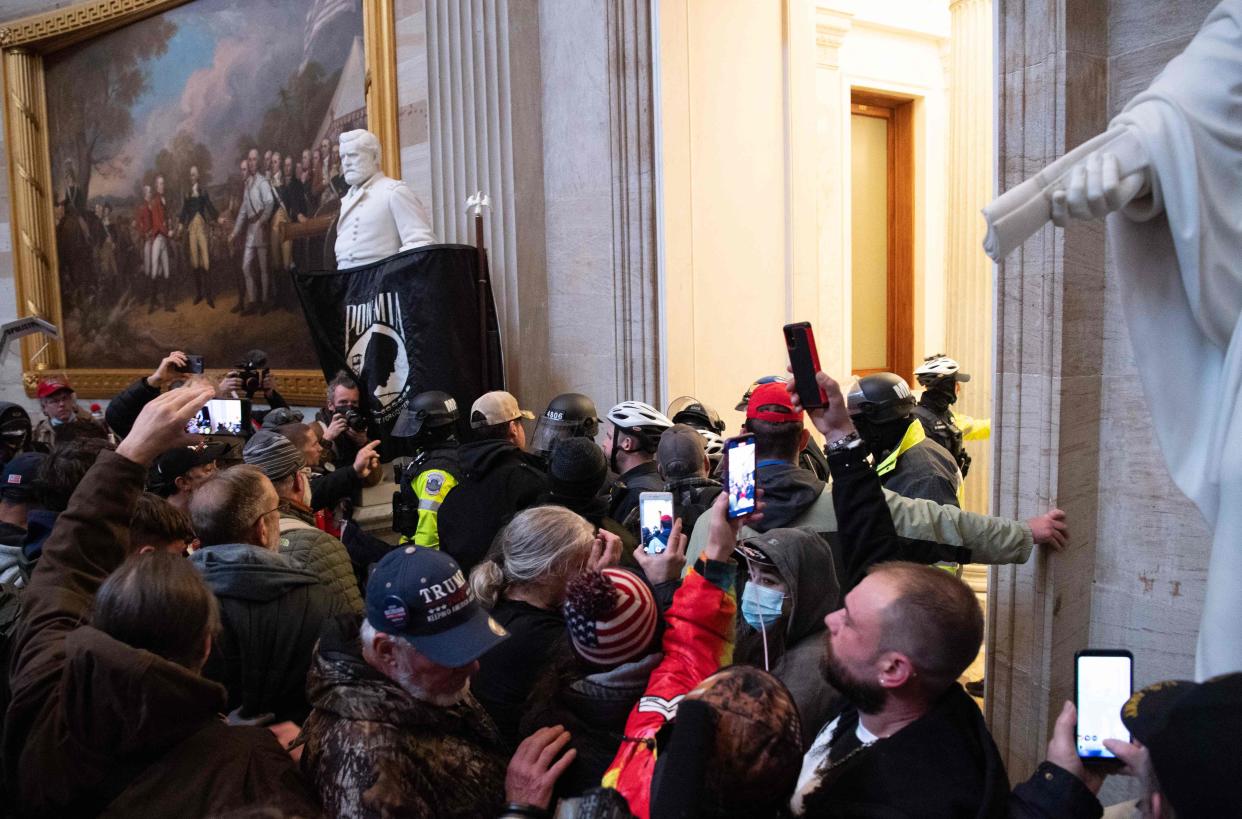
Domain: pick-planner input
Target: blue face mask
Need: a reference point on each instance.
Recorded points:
(762, 605)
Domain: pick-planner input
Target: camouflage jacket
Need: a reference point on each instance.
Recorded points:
(372, 750)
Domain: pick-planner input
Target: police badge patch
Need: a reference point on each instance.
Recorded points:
(435, 482)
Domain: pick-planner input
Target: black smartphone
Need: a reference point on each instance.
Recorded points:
(1103, 682)
(193, 364)
(804, 360)
(655, 520)
(221, 416)
(740, 475)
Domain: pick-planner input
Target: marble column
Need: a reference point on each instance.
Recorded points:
(1049, 313)
(968, 272)
(486, 134)
(832, 124)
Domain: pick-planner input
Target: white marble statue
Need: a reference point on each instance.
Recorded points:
(379, 215)
(1168, 173)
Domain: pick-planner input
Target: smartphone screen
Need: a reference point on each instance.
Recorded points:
(740, 456)
(655, 520)
(221, 416)
(804, 361)
(1104, 682)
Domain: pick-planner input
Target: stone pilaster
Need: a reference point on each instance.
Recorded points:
(968, 272)
(1049, 315)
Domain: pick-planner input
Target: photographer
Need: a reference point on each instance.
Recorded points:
(249, 378)
(344, 424)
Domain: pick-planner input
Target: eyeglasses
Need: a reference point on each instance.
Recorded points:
(255, 522)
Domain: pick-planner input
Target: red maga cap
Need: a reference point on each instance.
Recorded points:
(52, 385)
(772, 402)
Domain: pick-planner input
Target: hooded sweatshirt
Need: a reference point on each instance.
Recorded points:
(796, 645)
(498, 480)
(271, 613)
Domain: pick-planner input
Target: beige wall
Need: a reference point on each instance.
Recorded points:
(755, 180)
(869, 241)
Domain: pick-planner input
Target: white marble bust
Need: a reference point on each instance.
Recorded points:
(379, 216)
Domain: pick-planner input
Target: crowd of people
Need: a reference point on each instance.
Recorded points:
(200, 629)
(172, 244)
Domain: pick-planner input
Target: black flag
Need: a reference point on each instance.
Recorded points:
(401, 326)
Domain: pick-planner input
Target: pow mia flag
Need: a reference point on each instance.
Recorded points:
(401, 326)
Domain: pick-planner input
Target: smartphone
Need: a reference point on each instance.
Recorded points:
(221, 416)
(804, 360)
(193, 364)
(740, 474)
(655, 520)
(1103, 682)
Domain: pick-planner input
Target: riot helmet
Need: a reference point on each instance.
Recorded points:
(881, 398)
(767, 379)
(569, 415)
(693, 412)
(426, 411)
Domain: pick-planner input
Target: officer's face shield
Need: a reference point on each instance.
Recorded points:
(549, 431)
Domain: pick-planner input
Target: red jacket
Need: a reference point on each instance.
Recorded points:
(159, 224)
(142, 217)
(698, 640)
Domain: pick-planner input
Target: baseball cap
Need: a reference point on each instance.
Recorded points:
(1188, 728)
(680, 452)
(19, 476)
(51, 385)
(772, 402)
(275, 455)
(496, 407)
(421, 595)
(177, 461)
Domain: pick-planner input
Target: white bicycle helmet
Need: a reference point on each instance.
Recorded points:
(938, 366)
(637, 417)
(713, 445)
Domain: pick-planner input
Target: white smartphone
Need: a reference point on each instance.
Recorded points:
(1103, 682)
(655, 520)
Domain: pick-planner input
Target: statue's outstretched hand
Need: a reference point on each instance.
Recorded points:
(1094, 188)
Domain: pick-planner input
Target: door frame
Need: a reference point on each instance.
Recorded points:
(899, 111)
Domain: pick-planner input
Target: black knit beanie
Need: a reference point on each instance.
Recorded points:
(577, 468)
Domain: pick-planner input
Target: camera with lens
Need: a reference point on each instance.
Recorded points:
(354, 419)
(252, 371)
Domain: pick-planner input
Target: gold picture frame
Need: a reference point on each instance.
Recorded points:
(24, 44)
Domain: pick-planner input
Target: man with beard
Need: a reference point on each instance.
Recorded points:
(911, 742)
(395, 730)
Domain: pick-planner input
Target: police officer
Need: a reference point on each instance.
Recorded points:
(569, 415)
(940, 375)
(429, 423)
(907, 461)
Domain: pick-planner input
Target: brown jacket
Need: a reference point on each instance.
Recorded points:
(98, 727)
(372, 750)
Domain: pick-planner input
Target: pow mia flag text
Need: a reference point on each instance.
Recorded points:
(400, 326)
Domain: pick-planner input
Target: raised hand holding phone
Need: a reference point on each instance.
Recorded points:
(1103, 682)
(833, 418)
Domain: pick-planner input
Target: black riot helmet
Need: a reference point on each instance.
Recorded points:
(881, 398)
(427, 410)
(693, 412)
(569, 415)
